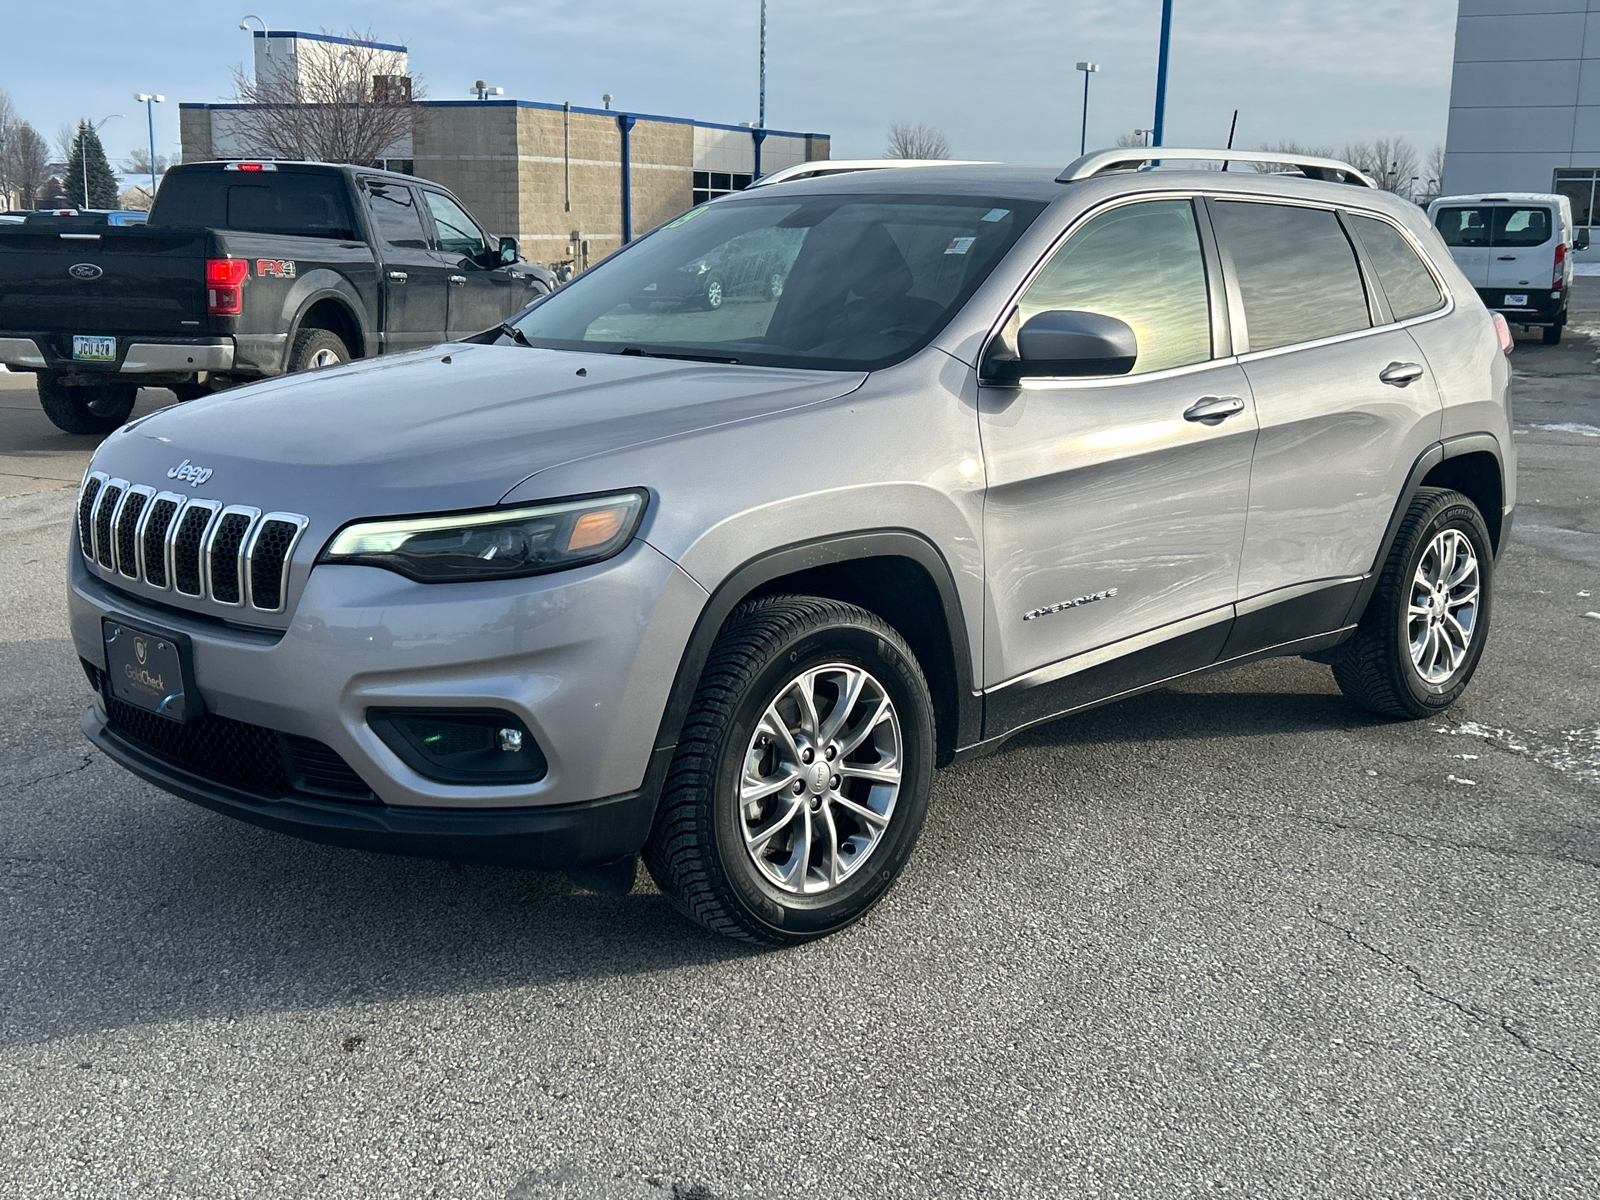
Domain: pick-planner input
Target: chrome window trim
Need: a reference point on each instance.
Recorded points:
(166, 540)
(1049, 383)
(111, 528)
(213, 507)
(208, 576)
(148, 492)
(88, 547)
(248, 592)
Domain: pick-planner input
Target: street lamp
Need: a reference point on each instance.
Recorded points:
(247, 29)
(148, 99)
(606, 100)
(83, 150)
(1088, 69)
(1143, 135)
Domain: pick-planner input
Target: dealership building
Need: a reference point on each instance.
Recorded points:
(567, 182)
(1525, 102)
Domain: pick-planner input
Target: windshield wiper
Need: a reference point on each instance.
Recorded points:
(515, 334)
(638, 352)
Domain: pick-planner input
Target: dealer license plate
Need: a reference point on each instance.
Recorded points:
(94, 349)
(147, 668)
(1516, 300)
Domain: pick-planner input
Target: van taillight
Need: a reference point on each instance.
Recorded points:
(1558, 276)
(224, 284)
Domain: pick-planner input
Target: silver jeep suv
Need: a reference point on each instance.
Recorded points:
(723, 584)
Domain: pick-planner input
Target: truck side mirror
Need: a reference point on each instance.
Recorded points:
(508, 251)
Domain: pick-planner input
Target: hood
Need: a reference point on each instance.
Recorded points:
(446, 428)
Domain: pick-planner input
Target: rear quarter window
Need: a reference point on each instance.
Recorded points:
(1296, 271)
(1407, 283)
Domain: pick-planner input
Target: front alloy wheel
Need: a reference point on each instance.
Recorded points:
(802, 773)
(1444, 606)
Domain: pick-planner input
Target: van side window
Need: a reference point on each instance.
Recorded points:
(1408, 284)
(1296, 271)
(1142, 264)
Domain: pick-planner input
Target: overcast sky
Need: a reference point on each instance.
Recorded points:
(996, 76)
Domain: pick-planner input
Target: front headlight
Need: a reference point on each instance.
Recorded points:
(502, 544)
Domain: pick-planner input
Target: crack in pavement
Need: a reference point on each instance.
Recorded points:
(83, 765)
(1494, 1020)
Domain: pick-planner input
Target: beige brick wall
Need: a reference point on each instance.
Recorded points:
(194, 128)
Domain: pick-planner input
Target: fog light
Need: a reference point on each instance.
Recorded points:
(485, 746)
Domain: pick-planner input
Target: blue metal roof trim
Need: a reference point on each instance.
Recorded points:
(328, 37)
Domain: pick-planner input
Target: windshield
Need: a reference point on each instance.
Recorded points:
(831, 282)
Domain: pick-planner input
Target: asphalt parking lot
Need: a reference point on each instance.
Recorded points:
(1229, 938)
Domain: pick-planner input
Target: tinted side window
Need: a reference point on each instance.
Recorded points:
(1142, 264)
(1520, 227)
(457, 233)
(395, 217)
(1463, 226)
(1296, 270)
(1406, 282)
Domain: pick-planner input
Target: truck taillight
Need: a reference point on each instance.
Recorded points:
(1558, 275)
(224, 286)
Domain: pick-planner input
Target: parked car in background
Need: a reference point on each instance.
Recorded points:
(1516, 249)
(755, 265)
(245, 270)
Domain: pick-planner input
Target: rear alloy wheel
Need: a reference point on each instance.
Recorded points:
(98, 409)
(713, 296)
(1424, 629)
(315, 348)
(802, 774)
(774, 285)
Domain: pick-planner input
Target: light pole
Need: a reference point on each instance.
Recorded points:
(1161, 72)
(149, 99)
(83, 150)
(1143, 135)
(1088, 69)
(761, 103)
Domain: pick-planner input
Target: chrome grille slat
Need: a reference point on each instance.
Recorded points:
(230, 555)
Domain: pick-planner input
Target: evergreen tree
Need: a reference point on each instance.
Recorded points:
(86, 147)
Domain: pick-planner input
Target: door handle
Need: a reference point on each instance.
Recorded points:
(1507, 257)
(458, 279)
(398, 276)
(1399, 374)
(1213, 410)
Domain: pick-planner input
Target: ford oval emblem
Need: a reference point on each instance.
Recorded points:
(84, 271)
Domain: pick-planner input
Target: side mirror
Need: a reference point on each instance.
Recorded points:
(1064, 342)
(508, 251)
(1581, 242)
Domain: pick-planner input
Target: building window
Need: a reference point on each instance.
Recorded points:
(403, 165)
(1578, 186)
(708, 185)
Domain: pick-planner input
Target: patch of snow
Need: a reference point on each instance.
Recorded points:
(1570, 427)
(1577, 752)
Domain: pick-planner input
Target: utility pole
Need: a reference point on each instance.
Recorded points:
(761, 110)
(1161, 72)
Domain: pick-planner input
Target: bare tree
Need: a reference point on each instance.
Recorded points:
(1434, 183)
(1391, 163)
(338, 105)
(22, 158)
(1136, 138)
(66, 139)
(916, 141)
(1289, 148)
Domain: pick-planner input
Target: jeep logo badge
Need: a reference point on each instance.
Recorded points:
(186, 472)
(84, 271)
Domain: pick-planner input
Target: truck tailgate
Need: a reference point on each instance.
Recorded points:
(116, 279)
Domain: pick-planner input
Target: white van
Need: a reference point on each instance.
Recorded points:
(1516, 248)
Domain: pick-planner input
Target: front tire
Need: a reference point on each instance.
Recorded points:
(1423, 633)
(798, 693)
(315, 348)
(714, 295)
(99, 409)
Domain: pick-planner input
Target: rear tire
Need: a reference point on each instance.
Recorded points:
(1552, 335)
(734, 846)
(714, 295)
(1424, 630)
(315, 348)
(86, 410)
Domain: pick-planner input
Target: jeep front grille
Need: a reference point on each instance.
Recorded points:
(232, 555)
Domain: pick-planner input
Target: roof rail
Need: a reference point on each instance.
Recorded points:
(1134, 157)
(839, 166)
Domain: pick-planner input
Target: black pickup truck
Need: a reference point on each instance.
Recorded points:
(246, 270)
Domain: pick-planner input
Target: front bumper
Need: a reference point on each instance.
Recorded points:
(550, 838)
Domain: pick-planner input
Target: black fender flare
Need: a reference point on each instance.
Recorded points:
(313, 288)
(800, 556)
(1452, 447)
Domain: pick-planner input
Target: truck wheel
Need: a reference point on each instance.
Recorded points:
(98, 409)
(802, 773)
(1423, 632)
(1552, 335)
(315, 348)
